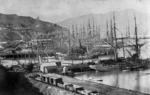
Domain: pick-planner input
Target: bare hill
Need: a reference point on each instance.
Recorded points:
(123, 19)
(18, 27)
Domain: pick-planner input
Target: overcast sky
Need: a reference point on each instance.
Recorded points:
(58, 10)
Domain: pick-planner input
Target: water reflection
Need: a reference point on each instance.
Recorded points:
(137, 80)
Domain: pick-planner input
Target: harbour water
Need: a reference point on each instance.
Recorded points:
(135, 80)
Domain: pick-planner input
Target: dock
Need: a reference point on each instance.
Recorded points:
(105, 89)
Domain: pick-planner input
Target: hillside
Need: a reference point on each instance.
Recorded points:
(24, 27)
(124, 18)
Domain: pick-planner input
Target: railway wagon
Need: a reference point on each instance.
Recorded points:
(55, 80)
(68, 86)
(58, 81)
(88, 92)
(78, 88)
(52, 80)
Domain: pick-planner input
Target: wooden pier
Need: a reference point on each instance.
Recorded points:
(105, 89)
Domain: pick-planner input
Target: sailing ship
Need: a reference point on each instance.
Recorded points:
(135, 62)
(131, 63)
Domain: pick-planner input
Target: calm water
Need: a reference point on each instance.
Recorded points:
(137, 80)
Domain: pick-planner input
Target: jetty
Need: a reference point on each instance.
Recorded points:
(103, 89)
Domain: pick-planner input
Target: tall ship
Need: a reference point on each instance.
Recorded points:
(114, 62)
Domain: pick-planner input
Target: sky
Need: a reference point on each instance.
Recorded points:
(59, 10)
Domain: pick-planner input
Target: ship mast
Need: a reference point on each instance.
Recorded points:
(93, 29)
(76, 31)
(136, 39)
(123, 46)
(89, 29)
(73, 34)
(111, 32)
(99, 33)
(69, 39)
(128, 29)
(115, 38)
(84, 33)
(107, 31)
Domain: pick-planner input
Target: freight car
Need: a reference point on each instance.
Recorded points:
(57, 81)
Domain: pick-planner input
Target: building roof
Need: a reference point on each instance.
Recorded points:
(51, 76)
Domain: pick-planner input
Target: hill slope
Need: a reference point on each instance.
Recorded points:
(18, 27)
(123, 18)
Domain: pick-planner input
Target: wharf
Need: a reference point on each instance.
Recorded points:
(46, 89)
(75, 68)
(107, 90)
